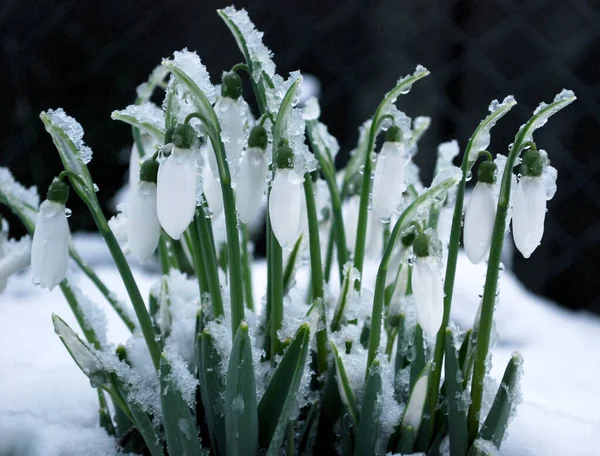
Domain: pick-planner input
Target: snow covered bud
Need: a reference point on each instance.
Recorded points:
(286, 199)
(530, 203)
(427, 285)
(143, 228)
(388, 182)
(176, 182)
(50, 246)
(253, 174)
(229, 109)
(480, 214)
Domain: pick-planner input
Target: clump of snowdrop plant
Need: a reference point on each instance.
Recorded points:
(332, 363)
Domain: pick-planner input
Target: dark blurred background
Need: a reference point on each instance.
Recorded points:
(88, 57)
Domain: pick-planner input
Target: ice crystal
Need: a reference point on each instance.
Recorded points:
(73, 130)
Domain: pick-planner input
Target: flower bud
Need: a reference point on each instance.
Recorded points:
(285, 206)
(251, 182)
(388, 182)
(479, 222)
(50, 245)
(231, 86)
(529, 214)
(176, 191)
(428, 291)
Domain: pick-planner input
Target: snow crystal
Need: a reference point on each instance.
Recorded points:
(452, 172)
(327, 139)
(420, 126)
(260, 55)
(145, 89)
(94, 317)
(14, 255)
(392, 410)
(400, 120)
(446, 153)
(311, 109)
(190, 64)
(74, 131)
(420, 71)
(181, 377)
(482, 136)
(485, 447)
(146, 113)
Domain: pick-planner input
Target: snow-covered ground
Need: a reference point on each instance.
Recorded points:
(47, 406)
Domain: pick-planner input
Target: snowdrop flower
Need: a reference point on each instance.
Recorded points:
(143, 227)
(135, 161)
(530, 202)
(50, 246)
(388, 182)
(480, 214)
(286, 199)
(176, 183)
(231, 116)
(212, 191)
(428, 286)
(253, 173)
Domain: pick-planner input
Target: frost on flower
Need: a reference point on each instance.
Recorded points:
(190, 64)
(74, 131)
(260, 55)
(446, 153)
(146, 113)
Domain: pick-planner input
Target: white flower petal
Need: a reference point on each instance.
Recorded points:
(230, 117)
(350, 214)
(529, 214)
(479, 222)
(416, 403)
(388, 182)
(143, 231)
(251, 183)
(285, 206)
(212, 192)
(428, 291)
(176, 192)
(50, 246)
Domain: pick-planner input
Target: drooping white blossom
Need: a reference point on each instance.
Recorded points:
(176, 191)
(388, 182)
(479, 222)
(529, 213)
(50, 246)
(251, 183)
(143, 228)
(229, 112)
(428, 291)
(285, 206)
(212, 191)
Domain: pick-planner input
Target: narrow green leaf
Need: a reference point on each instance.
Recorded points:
(22, 201)
(407, 441)
(179, 425)
(367, 432)
(329, 413)
(457, 411)
(291, 265)
(283, 114)
(212, 388)
(279, 400)
(105, 419)
(495, 424)
(346, 393)
(342, 302)
(483, 448)
(413, 414)
(241, 417)
(418, 362)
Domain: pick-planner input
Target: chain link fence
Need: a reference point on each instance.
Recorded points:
(88, 58)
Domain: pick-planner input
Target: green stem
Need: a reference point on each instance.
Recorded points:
(290, 265)
(204, 245)
(133, 291)
(247, 268)
(193, 242)
(88, 332)
(274, 257)
(110, 297)
(329, 257)
(163, 255)
(316, 269)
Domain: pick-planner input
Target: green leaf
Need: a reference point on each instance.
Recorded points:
(367, 433)
(81, 353)
(413, 413)
(147, 117)
(457, 412)
(329, 413)
(212, 388)
(279, 400)
(241, 417)
(179, 425)
(495, 424)
(346, 393)
(418, 362)
(342, 302)
(290, 265)
(407, 441)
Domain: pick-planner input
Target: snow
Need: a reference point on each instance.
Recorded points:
(190, 64)
(146, 113)
(48, 407)
(481, 139)
(74, 131)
